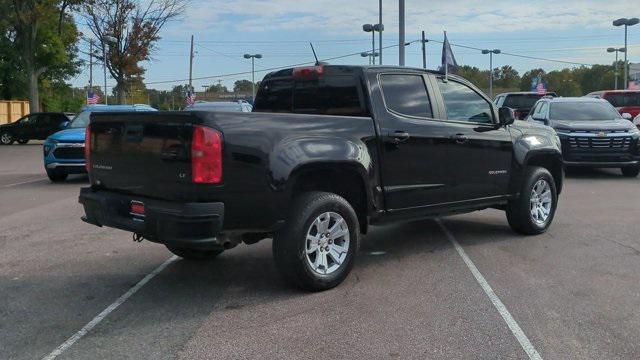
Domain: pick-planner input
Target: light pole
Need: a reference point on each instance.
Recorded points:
(372, 28)
(401, 41)
(626, 22)
(253, 58)
(381, 29)
(491, 52)
(370, 55)
(111, 40)
(615, 67)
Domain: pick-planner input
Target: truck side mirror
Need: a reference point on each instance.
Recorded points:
(505, 116)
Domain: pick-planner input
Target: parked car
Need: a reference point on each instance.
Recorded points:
(636, 121)
(35, 126)
(234, 106)
(64, 150)
(520, 102)
(625, 101)
(592, 132)
(327, 151)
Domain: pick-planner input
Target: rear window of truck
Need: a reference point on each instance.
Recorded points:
(325, 95)
(623, 99)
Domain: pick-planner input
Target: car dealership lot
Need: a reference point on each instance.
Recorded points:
(574, 291)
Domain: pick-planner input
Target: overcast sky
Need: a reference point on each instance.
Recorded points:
(224, 30)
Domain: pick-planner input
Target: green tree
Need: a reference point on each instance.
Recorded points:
(527, 77)
(479, 78)
(244, 86)
(563, 82)
(506, 77)
(45, 38)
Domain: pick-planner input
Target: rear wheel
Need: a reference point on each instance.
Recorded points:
(533, 211)
(316, 248)
(631, 171)
(57, 175)
(194, 254)
(6, 138)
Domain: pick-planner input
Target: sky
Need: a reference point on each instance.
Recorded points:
(571, 32)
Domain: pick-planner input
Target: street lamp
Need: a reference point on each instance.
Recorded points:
(372, 28)
(106, 39)
(370, 55)
(615, 67)
(491, 52)
(253, 58)
(626, 22)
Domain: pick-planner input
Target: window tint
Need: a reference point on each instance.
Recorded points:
(327, 95)
(583, 111)
(275, 96)
(406, 94)
(623, 99)
(464, 104)
(521, 101)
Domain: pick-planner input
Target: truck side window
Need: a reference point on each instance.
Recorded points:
(464, 104)
(406, 94)
(275, 96)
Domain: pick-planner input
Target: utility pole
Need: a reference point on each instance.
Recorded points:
(104, 70)
(90, 66)
(401, 31)
(380, 32)
(424, 51)
(191, 66)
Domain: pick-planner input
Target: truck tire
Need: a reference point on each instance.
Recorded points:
(6, 138)
(57, 176)
(316, 248)
(194, 254)
(630, 171)
(532, 212)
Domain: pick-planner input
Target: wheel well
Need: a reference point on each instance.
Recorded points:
(343, 181)
(551, 163)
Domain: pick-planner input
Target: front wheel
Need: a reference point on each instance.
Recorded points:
(57, 176)
(316, 248)
(194, 254)
(6, 138)
(631, 171)
(533, 211)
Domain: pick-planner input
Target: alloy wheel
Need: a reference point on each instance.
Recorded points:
(327, 243)
(541, 202)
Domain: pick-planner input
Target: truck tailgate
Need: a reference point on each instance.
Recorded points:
(143, 154)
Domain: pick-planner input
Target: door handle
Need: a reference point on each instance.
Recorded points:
(460, 138)
(399, 136)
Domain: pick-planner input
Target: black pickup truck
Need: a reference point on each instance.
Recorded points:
(327, 151)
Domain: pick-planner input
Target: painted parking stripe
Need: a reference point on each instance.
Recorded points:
(527, 346)
(23, 183)
(96, 320)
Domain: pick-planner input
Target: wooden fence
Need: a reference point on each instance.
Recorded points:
(12, 110)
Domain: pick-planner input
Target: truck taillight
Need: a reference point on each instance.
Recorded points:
(308, 72)
(87, 148)
(206, 156)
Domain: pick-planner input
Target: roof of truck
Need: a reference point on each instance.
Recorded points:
(354, 68)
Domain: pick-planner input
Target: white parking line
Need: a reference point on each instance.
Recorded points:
(511, 322)
(22, 183)
(96, 320)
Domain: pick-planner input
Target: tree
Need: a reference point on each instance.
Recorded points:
(44, 37)
(218, 89)
(563, 83)
(506, 77)
(134, 26)
(244, 86)
(527, 78)
(479, 78)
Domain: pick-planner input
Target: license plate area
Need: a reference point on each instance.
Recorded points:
(137, 210)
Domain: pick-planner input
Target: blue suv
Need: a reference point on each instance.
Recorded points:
(64, 150)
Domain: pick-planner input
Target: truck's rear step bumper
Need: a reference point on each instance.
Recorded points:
(188, 225)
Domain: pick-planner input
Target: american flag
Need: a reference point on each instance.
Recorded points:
(191, 98)
(92, 98)
(541, 89)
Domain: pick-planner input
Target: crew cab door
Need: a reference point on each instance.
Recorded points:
(413, 150)
(481, 151)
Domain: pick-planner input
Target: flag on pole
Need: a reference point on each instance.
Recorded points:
(449, 63)
(540, 89)
(92, 98)
(191, 98)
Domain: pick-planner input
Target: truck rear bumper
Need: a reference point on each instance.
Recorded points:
(188, 225)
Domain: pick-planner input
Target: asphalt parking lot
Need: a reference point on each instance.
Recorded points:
(573, 292)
